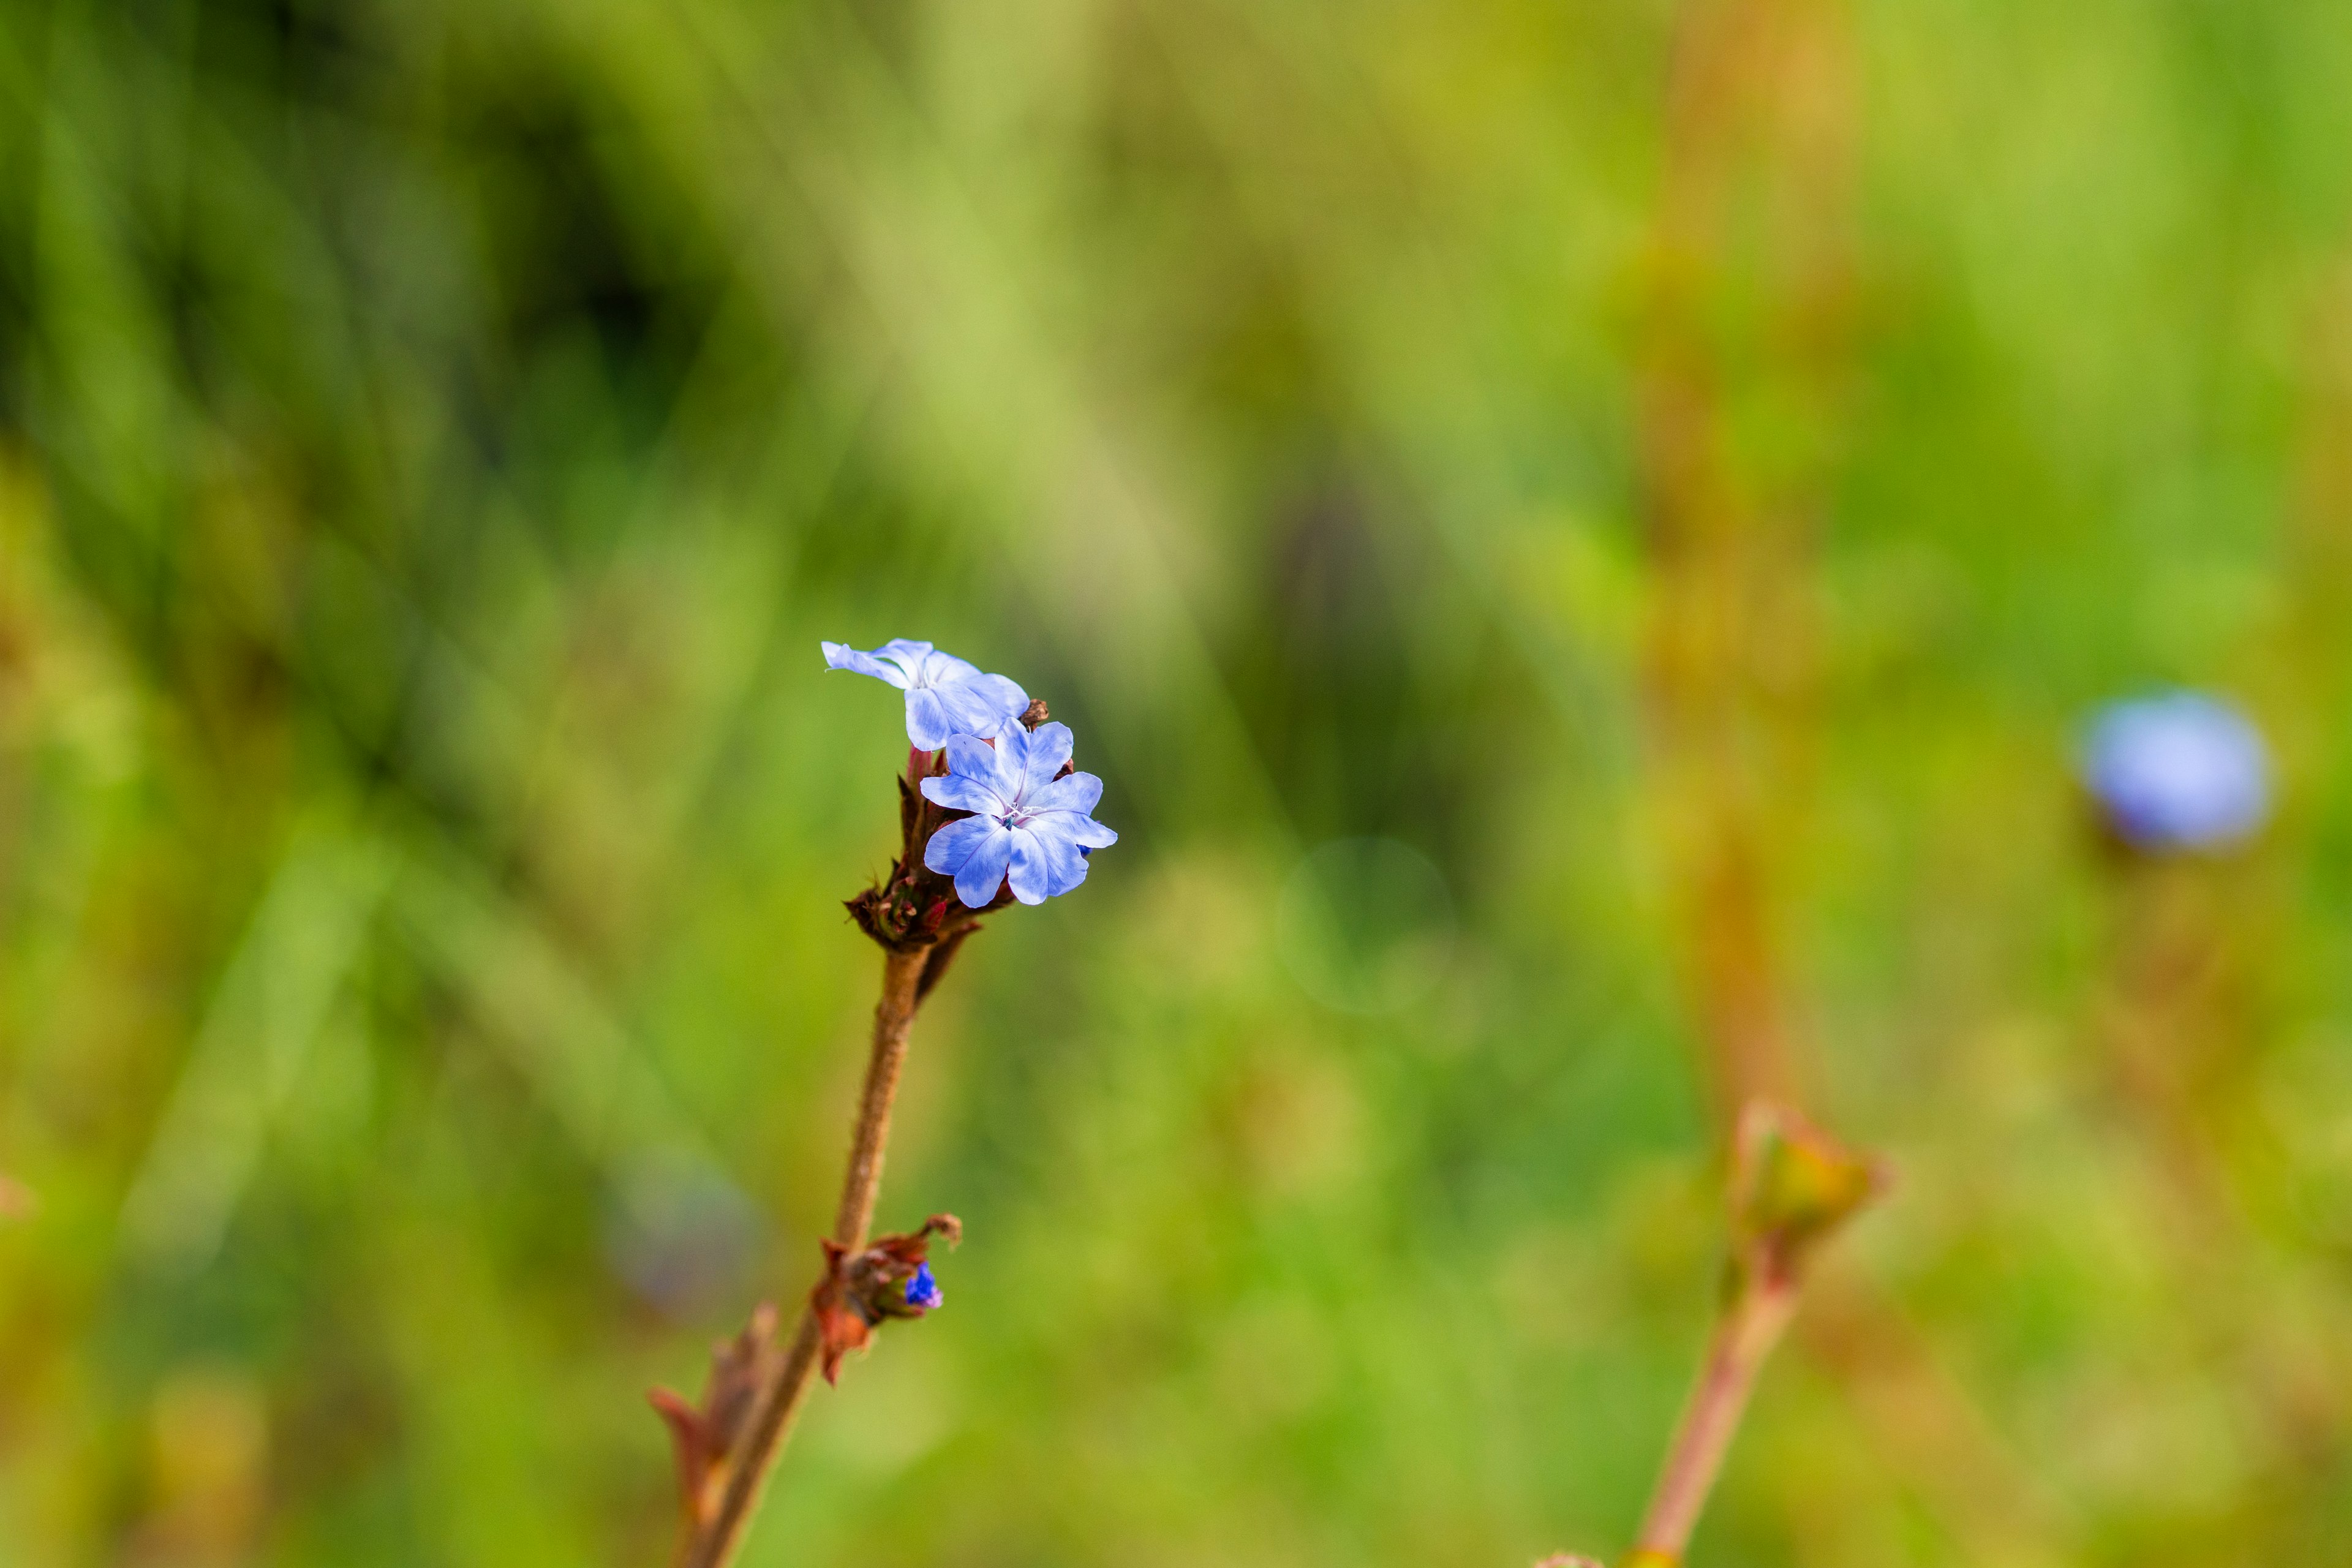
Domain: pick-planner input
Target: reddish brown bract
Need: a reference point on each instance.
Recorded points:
(705, 1440)
(859, 1292)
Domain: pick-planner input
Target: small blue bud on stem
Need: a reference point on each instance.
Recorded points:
(923, 1291)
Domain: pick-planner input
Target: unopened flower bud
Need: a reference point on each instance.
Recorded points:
(923, 1292)
(1791, 1185)
(891, 1278)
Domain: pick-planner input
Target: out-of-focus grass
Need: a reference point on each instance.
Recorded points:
(433, 438)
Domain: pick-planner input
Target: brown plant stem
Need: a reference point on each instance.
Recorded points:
(1750, 1324)
(1748, 247)
(715, 1545)
(894, 1016)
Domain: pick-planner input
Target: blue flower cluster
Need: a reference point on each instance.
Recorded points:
(1030, 826)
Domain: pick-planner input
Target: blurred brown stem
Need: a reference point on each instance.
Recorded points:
(1750, 1324)
(1791, 1187)
(715, 1545)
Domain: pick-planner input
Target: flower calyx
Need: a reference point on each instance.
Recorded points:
(860, 1291)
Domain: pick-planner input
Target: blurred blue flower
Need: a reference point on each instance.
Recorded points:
(2177, 770)
(1025, 823)
(922, 1291)
(945, 695)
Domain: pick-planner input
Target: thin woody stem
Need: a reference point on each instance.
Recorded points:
(894, 1016)
(716, 1545)
(1749, 1326)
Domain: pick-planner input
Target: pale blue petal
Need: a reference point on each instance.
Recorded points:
(908, 655)
(841, 656)
(973, 713)
(1032, 877)
(1078, 793)
(1004, 693)
(1050, 746)
(959, 794)
(978, 760)
(950, 848)
(981, 875)
(1053, 826)
(1011, 752)
(984, 704)
(938, 670)
(1071, 827)
(1056, 835)
(1065, 866)
(926, 720)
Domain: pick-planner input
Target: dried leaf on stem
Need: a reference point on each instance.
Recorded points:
(707, 1437)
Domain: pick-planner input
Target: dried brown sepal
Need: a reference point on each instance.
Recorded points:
(910, 911)
(1035, 714)
(1791, 1187)
(858, 1293)
(705, 1439)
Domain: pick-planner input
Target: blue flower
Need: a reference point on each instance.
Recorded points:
(922, 1291)
(2177, 770)
(1025, 823)
(945, 696)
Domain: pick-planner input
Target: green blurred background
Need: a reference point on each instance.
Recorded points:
(1581, 537)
